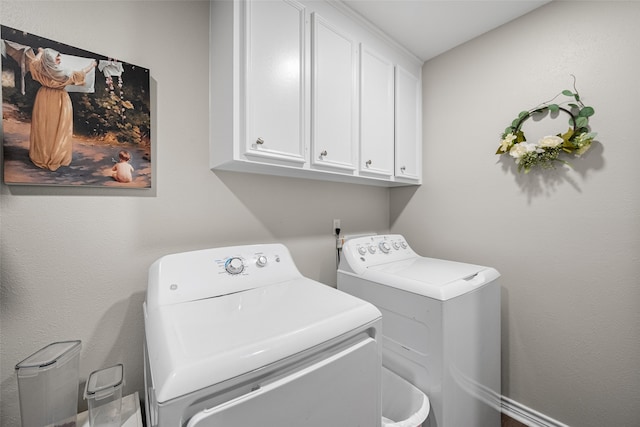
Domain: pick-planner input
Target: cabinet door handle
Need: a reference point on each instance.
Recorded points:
(260, 141)
(403, 168)
(323, 153)
(368, 163)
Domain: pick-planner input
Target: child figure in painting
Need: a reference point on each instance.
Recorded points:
(123, 171)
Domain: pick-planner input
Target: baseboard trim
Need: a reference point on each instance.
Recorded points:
(527, 416)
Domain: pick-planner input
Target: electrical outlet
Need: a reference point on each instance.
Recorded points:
(336, 224)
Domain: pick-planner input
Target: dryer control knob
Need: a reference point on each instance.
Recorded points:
(261, 261)
(403, 244)
(362, 250)
(396, 245)
(384, 247)
(234, 265)
(372, 250)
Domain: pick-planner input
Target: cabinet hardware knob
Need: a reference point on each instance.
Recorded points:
(403, 168)
(260, 141)
(368, 163)
(323, 153)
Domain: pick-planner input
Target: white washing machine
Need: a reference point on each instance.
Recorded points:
(236, 336)
(440, 324)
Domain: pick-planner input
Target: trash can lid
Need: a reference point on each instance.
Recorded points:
(49, 355)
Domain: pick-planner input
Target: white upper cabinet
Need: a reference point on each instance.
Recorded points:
(408, 156)
(376, 113)
(275, 72)
(306, 89)
(333, 97)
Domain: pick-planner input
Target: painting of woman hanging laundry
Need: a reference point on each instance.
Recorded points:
(71, 117)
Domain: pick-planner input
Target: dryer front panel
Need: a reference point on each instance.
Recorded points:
(342, 390)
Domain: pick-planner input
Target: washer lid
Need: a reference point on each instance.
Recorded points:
(433, 278)
(200, 343)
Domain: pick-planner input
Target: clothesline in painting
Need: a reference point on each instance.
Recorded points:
(109, 68)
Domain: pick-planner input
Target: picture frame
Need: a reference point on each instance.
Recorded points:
(71, 117)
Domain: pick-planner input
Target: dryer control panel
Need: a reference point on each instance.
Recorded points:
(210, 273)
(362, 252)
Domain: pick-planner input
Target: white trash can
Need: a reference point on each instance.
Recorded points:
(403, 405)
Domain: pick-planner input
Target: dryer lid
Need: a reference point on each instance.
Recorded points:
(430, 277)
(200, 343)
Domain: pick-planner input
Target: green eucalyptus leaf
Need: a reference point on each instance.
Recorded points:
(582, 122)
(554, 108)
(587, 112)
(573, 105)
(523, 114)
(567, 92)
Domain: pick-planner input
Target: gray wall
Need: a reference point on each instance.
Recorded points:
(567, 242)
(74, 261)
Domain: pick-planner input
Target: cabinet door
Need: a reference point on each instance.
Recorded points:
(275, 81)
(333, 124)
(408, 132)
(376, 113)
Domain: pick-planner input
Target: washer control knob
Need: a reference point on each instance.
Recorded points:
(372, 250)
(403, 244)
(362, 250)
(396, 245)
(234, 265)
(384, 247)
(261, 261)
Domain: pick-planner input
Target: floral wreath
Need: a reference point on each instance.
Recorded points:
(576, 141)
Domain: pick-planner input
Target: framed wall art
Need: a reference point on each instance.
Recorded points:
(72, 117)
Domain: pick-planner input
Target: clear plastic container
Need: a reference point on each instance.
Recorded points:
(48, 385)
(103, 392)
(403, 405)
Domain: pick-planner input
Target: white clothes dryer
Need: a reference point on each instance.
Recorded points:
(236, 336)
(440, 324)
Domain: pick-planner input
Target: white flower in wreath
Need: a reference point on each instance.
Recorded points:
(519, 150)
(507, 142)
(550, 141)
